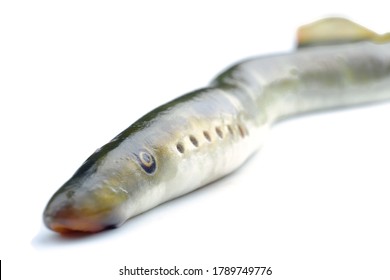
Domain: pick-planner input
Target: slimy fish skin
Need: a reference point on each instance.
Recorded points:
(203, 135)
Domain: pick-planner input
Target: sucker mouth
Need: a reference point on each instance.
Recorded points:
(80, 228)
(67, 219)
(74, 226)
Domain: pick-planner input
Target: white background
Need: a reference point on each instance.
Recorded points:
(313, 204)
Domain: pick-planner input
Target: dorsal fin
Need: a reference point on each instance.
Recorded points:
(330, 31)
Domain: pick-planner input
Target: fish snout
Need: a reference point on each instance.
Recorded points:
(89, 213)
(68, 219)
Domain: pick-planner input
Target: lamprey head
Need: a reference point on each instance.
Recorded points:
(87, 202)
(167, 153)
(105, 191)
(86, 205)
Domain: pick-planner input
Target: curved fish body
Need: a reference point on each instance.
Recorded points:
(206, 134)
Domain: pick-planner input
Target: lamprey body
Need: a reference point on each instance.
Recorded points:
(204, 135)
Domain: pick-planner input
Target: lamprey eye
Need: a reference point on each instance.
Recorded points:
(147, 162)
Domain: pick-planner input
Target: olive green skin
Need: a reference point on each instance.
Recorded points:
(204, 135)
(113, 183)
